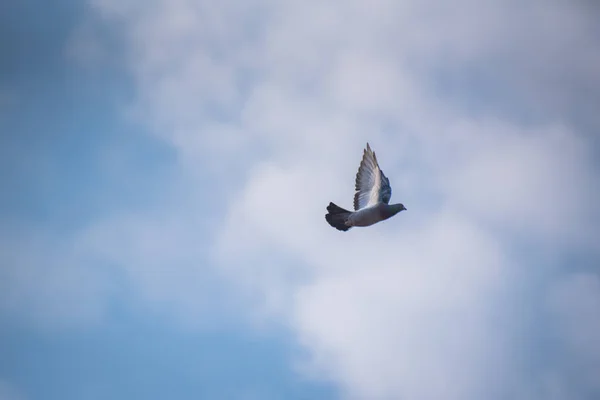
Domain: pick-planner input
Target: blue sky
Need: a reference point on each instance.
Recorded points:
(59, 122)
(166, 167)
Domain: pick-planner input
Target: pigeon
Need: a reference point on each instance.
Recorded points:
(373, 193)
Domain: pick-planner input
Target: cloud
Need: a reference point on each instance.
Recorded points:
(535, 184)
(478, 116)
(412, 322)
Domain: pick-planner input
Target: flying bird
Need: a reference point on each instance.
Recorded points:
(371, 200)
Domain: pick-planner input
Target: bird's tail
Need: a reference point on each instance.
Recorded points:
(337, 217)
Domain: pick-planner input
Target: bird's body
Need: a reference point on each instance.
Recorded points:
(371, 200)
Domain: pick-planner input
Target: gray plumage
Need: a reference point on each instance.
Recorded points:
(371, 200)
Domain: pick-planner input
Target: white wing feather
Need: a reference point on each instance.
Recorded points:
(372, 186)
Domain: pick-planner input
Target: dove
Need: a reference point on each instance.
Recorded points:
(371, 200)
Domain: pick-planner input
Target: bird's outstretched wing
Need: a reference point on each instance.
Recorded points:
(372, 186)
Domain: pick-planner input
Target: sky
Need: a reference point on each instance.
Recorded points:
(166, 165)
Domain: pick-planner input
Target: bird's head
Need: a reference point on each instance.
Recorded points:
(396, 208)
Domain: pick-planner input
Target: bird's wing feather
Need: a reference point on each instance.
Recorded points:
(372, 186)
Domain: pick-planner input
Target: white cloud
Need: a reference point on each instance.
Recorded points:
(414, 321)
(535, 183)
(475, 112)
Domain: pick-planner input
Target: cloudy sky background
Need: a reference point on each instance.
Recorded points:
(166, 166)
